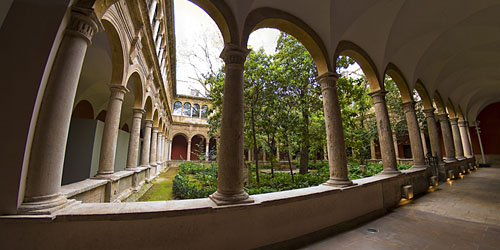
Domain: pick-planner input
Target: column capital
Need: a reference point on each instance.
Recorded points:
(138, 111)
(118, 88)
(378, 96)
(462, 123)
(84, 23)
(155, 129)
(327, 80)
(454, 121)
(233, 54)
(148, 123)
(443, 117)
(408, 106)
(429, 112)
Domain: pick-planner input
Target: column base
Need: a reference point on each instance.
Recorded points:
(420, 166)
(390, 171)
(338, 182)
(230, 199)
(461, 158)
(111, 177)
(449, 159)
(45, 204)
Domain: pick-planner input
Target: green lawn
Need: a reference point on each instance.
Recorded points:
(162, 187)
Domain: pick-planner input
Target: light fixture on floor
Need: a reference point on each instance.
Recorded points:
(434, 181)
(407, 192)
(451, 174)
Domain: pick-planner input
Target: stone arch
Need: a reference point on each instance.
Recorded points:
(101, 116)
(396, 75)
(186, 109)
(274, 18)
(222, 15)
(179, 146)
(148, 106)
(83, 110)
(156, 120)
(451, 109)
(347, 48)
(424, 95)
(117, 52)
(198, 143)
(439, 103)
(460, 113)
(138, 87)
(177, 108)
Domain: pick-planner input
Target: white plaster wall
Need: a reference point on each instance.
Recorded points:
(121, 150)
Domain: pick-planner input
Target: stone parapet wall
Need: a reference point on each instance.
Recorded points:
(161, 224)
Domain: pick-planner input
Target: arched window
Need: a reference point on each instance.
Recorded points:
(196, 110)
(177, 108)
(187, 109)
(204, 111)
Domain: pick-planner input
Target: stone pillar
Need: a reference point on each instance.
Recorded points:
(325, 154)
(170, 150)
(433, 134)
(264, 157)
(373, 152)
(152, 10)
(146, 144)
(465, 138)
(396, 148)
(457, 140)
(277, 151)
(43, 182)
(207, 150)
(189, 150)
(414, 134)
(110, 133)
(154, 139)
(159, 148)
(133, 145)
(230, 155)
(337, 158)
(158, 43)
(165, 147)
(156, 27)
(447, 137)
(424, 142)
(384, 133)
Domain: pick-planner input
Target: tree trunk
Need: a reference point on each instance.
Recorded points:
(304, 151)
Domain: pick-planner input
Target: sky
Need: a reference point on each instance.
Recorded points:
(195, 30)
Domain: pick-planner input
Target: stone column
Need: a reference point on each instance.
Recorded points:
(154, 140)
(156, 27)
(189, 150)
(373, 152)
(457, 140)
(337, 158)
(414, 134)
(325, 154)
(447, 138)
(433, 134)
(277, 151)
(170, 150)
(465, 138)
(424, 142)
(264, 157)
(135, 131)
(43, 182)
(110, 133)
(207, 150)
(146, 144)
(165, 147)
(152, 10)
(159, 148)
(230, 155)
(384, 133)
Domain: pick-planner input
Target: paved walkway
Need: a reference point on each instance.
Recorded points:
(463, 214)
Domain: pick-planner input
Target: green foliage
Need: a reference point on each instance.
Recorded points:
(195, 181)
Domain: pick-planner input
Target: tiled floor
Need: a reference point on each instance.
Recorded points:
(464, 214)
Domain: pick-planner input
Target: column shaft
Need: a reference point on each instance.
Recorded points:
(433, 134)
(337, 158)
(189, 151)
(457, 140)
(146, 144)
(110, 134)
(170, 150)
(159, 148)
(135, 131)
(154, 139)
(465, 138)
(384, 132)
(395, 140)
(414, 134)
(43, 182)
(449, 149)
(230, 152)
(424, 142)
(207, 151)
(152, 10)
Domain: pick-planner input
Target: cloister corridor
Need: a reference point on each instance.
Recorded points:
(463, 214)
